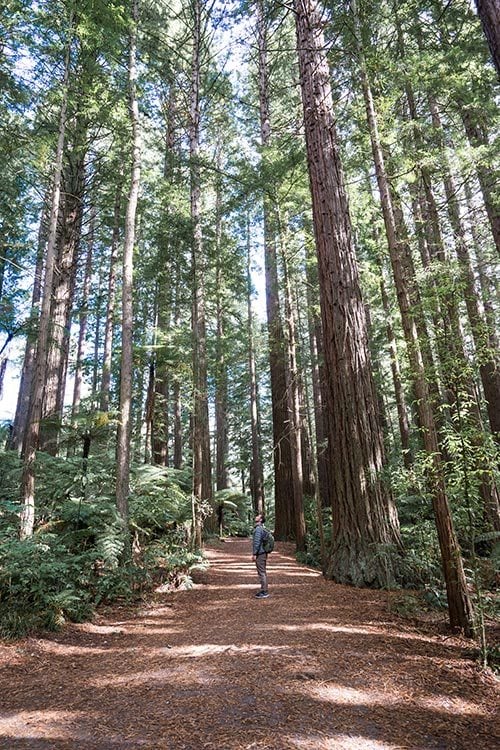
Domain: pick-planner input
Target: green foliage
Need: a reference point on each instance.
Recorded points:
(40, 585)
(237, 512)
(157, 501)
(80, 554)
(312, 556)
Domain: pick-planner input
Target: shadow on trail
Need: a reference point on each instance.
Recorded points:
(316, 666)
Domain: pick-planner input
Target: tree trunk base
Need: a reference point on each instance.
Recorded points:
(367, 566)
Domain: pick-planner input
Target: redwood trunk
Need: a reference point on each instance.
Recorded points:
(68, 245)
(32, 432)
(489, 13)
(364, 515)
(459, 603)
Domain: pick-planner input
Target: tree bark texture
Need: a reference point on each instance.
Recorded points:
(459, 603)
(123, 452)
(256, 468)
(294, 411)
(32, 432)
(283, 485)
(68, 246)
(83, 317)
(489, 13)
(365, 524)
(110, 305)
(202, 472)
(23, 398)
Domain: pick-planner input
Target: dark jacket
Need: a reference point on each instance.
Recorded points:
(258, 533)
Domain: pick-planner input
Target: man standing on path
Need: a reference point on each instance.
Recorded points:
(259, 556)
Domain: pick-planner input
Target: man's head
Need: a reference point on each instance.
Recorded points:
(260, 518)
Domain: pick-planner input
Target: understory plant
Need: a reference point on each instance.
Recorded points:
(80, 553)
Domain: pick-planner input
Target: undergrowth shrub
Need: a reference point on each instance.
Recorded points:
(236, 511)
(81, 554)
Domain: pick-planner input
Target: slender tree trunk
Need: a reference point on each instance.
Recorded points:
(315, 341)
(160, 402)
(283, 486)
(294, 418)
(149, 456)
(110, 304)
(126, 372)
(202, 480)
(364, 515)
(221, 381)
(167, 281)
(256, 469)
(483, 335)
(459, 603)
(176, 388)
(177, 413)
(82, 333)
(402, 409)
(97, 339)
(32, 432)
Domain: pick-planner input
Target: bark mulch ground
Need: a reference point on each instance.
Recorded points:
(317, 666)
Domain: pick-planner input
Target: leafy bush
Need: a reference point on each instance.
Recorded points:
(80, 554)
(41, 585)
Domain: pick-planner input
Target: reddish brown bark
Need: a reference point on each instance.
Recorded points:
(364, 515)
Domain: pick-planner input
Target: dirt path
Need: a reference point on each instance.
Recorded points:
(316, 666)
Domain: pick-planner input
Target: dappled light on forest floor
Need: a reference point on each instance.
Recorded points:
(317, 666)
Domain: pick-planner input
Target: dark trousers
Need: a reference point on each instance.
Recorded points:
(260, 562)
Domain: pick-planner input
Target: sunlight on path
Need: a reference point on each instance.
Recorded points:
(316, 666)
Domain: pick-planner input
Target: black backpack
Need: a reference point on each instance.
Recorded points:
(267, 541)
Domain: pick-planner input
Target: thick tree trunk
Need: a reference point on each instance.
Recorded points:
(68, 245)
(23, 398)
(365, 525)
(32, 432)
(459, 603)
(126, 367)
(489, 13)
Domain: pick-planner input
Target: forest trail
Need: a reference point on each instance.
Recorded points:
(317, 666)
